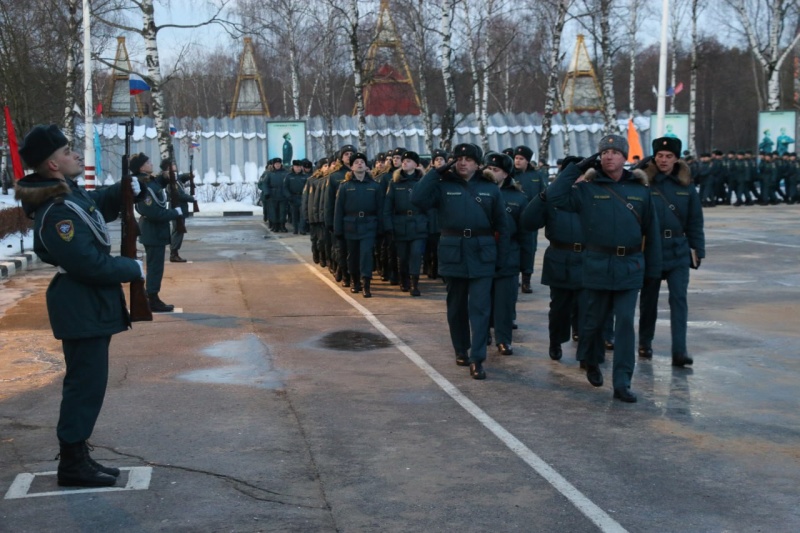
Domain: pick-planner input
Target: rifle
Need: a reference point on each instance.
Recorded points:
(195, 207)
(174, 194)
(140, 307)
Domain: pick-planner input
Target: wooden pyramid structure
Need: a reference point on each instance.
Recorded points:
(248, 98)
(581, 90)
(118, 99)
(389, 87)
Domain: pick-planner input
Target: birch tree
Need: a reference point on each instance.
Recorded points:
(770, 18)
(148, 31)
(696, 7)
(606, 48)
(72, 70)
(639, 10)
(677, 15)
(556, 58)
(448, 125)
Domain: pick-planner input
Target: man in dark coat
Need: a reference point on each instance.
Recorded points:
(680, 213)
(623, 246)
(474, 244)
(532, 184)
(336, 175)
(358, 221)
(85, 301)
(293, 184)
(183, 197)
(277, 198)
(405, 224)
(154, 230)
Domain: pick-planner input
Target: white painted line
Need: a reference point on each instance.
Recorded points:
(176, 311)
(138, 479)
(589, 509)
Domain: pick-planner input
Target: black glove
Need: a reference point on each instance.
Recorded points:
(570, 159)
(589, 162)
(442, 170)
(644, 162)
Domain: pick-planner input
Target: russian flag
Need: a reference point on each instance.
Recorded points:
(137, 84)
(172, 130)
(195, 144)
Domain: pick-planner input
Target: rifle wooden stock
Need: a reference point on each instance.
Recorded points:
(140, 306)
(174, 195)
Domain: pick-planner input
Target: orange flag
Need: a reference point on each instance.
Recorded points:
(634, 144)
(13, 146)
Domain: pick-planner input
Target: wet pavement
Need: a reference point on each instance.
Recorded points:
(277, 401)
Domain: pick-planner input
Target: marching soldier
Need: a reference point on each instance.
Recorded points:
(357, 221)
(293, 184)
(277, 198)
(336, 175)
(680, 214)
(405, 224)
(532, 184)
(471, 212)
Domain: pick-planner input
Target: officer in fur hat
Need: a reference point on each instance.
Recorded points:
(532, 184)
(680, 213)
(471, 214)
(616, 211)
(338, 247)
(85, 300)
(293, 183)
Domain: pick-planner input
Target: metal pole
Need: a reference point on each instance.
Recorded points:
(88, 129)
(662, 72)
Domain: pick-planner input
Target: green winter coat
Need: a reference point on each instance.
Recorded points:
(359, 208)
(154, 223)
(85, 297)
(405, 220)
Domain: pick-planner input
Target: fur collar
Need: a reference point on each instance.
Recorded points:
(452, 176)
(681, 172)
(351, 177)
(637, 175)
(398, 175)
(35, 190)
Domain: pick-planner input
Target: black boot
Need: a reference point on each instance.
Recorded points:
(175, 258)
(356, 286)
(367, 292)
(157, 306)
(346, 281)
(681, 359)
(526, 284)
(76, 470)
(404, 281)
(110, 470)
(415, 286)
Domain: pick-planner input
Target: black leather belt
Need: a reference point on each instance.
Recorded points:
(576, 247)
(668, 234)
(359, 214)
(467, 233)
(620, 251)
(409, 213)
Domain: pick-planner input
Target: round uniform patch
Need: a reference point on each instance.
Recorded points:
(148, 201)
(65, 230)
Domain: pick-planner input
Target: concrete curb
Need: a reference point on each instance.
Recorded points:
(17, 264)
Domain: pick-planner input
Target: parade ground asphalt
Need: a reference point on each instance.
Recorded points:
(275, 400)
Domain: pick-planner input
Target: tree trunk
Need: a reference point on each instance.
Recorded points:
(157, 107)
(421, 45)
(633, 49)
(449, 115)
(693, 82)
(609, 103)
(358, 77)
(552, 82)
(72, 71)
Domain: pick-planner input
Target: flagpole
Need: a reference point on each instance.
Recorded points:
(88, 129)
(662, 73)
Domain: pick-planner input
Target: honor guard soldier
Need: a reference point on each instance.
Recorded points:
(154, 227)
(357, 221)
(405, 224)
(473, 246)
(623, 245)
(85, 301)
(504, 288)
(183, 197)
(679, 211)
(334, 179)
(293, 184)
(277, 197)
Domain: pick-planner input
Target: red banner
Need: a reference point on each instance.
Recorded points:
(13, 146)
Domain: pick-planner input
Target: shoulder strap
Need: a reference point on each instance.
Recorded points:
(672, 207)
(627, 204)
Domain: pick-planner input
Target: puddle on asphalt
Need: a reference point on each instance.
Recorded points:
(250, 363)
(354, 341)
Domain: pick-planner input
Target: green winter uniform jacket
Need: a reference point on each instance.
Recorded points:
(85, 298)
(156, 216)
(473, 221)
(613, 259)
(359, 208)
(406, 221)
